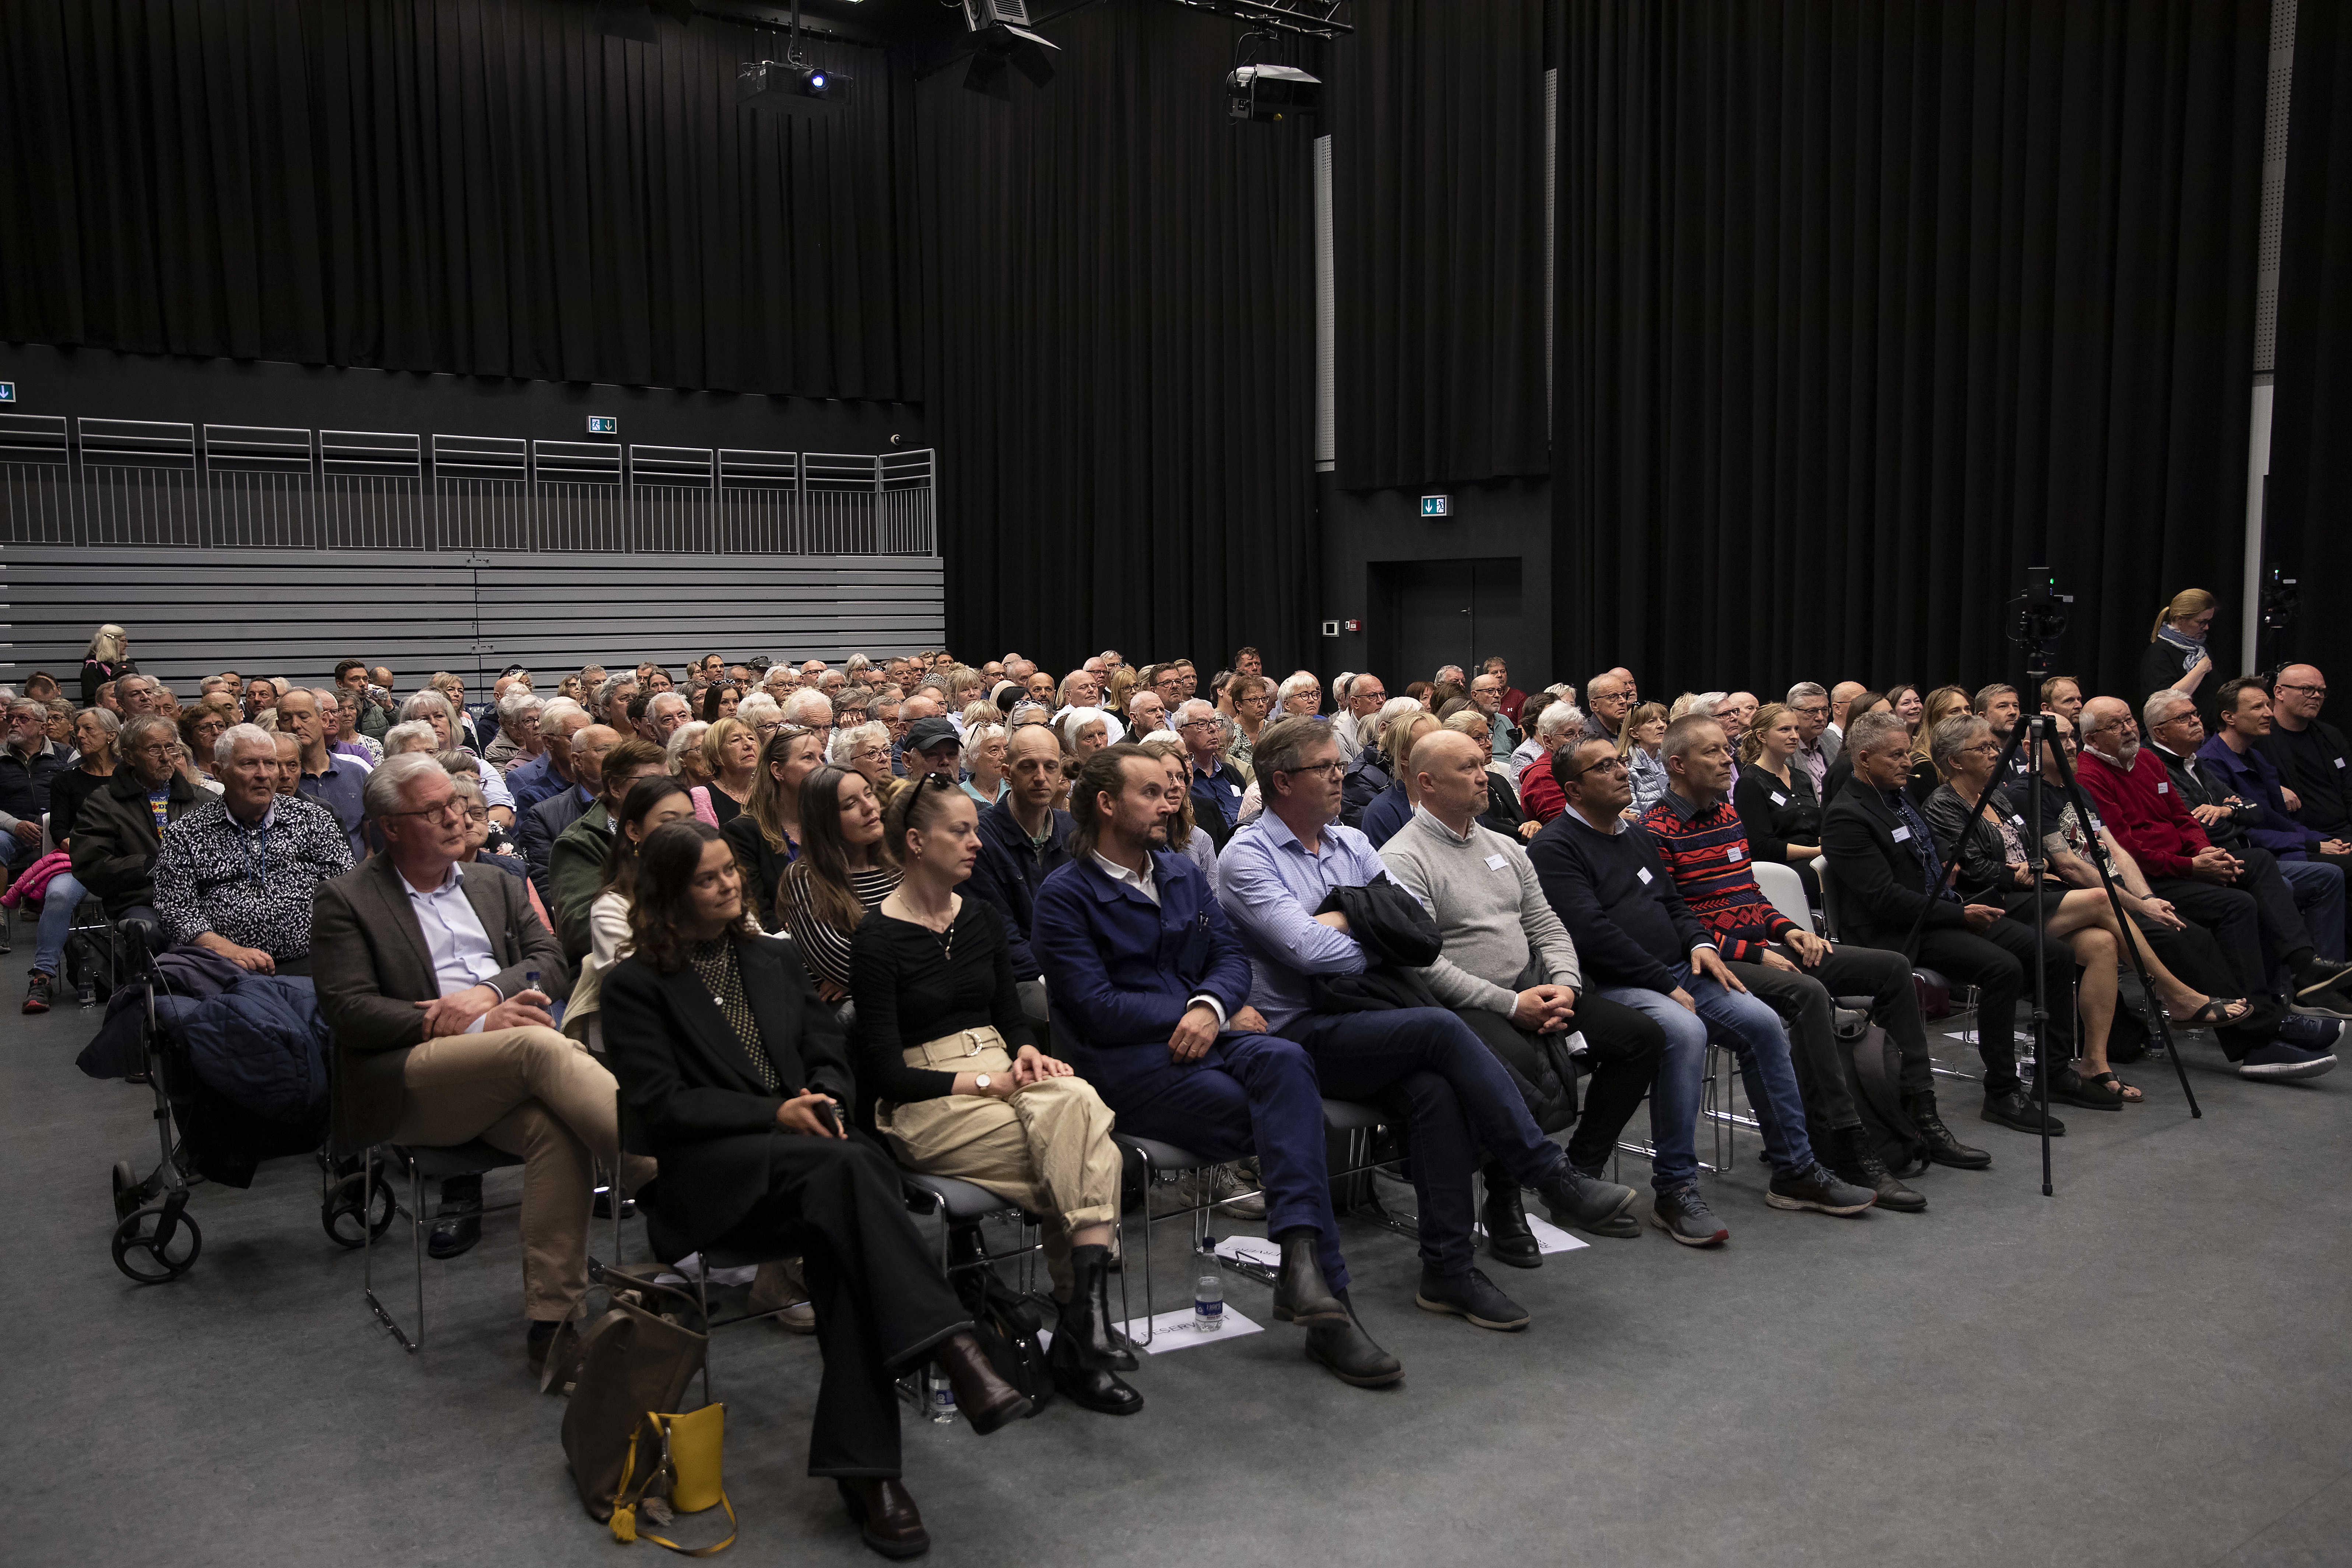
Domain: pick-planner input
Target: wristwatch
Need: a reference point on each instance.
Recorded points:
(980, 1082)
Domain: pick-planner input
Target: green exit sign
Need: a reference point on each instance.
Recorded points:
(7, 392)
(1437, 506)
(603, 425)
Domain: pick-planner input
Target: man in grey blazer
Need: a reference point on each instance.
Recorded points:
(436, 976)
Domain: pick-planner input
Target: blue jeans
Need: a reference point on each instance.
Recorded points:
(58, 902)
(1753, 1032)
(2318, 890)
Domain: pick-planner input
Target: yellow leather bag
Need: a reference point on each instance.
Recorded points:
(690, 1451)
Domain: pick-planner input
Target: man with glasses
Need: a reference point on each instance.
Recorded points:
(1168, 680)
(1512, 701)
(575, 865)
(810, 710)
(28, 764)
(1487, 693)
(1810, 704)
(1286, 882)
(550, 774)
(436, 977)
(1360, 696)
(236, 876)
(1217, 785)
(120, 829)
(2310, 754)
(1608, 698)
(666, 713)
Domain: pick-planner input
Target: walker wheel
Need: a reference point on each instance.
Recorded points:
(341, 1212)
(145, 1252)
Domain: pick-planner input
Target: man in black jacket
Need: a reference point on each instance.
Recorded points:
(2312, 755)
(1023, 840)
(541, 824)
(28, 761)
(1893, 893)
(116, 839)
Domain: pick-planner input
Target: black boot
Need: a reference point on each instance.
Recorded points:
(1855, 1161)
(1349, 1355)
(457, 1222)
(1942, 1147)
(1301, 1295)
(1508, 1237)
(1086, 1315)
(1078, 1378)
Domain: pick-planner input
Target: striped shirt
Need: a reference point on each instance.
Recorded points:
(1705, 852)
(824, 946)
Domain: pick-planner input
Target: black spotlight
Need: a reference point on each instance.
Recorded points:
(1001, 44)
(788, 84)
(1268, 93)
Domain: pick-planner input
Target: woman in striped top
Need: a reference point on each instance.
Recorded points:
(844, 871)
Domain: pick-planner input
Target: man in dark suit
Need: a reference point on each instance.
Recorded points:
(1023, 840)
(540, 825)
(434, 977)
(1150, 992)
(1893, 893)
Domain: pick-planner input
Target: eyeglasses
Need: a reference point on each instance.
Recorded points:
(453, 810)
(869, 754)
(1198, 724)
(2298, 686)
(478, 814)
(1330, 769)
(1606, 765)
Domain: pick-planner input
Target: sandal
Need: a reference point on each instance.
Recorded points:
(2128, 1093)
(2219, 1013)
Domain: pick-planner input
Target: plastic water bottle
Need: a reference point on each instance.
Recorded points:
(1208, 1294)
(86, 994)
(938, 1393)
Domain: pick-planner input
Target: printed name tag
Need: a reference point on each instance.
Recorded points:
(1645, 875)
(2164, 789)
(2017, 819)
(1736, 853)
(1493, 862)
(2339, 761)
(1902, 835)
(1779, 800)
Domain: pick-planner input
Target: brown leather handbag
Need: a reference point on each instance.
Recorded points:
(635, 1360)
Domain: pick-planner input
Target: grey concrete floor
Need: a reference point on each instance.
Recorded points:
(2147, 1369)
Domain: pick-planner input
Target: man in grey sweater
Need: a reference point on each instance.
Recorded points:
(1509, 971)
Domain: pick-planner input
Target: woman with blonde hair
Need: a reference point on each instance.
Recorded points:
(108, 658)
(1122, 686)
(731, 756)
(1639, 743)
(2176, 655)
(1944, 702)
(1775, 798)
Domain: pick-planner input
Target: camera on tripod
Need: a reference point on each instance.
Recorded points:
(2041, 613)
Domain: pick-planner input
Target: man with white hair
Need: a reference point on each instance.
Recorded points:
(666, 713)
(235, 875)
(1300, 696)
(1608, 698)
(809, 709)
(1217, 787)
(1079, 688)
(436, 975)
(550, 772)
(29, 764)
(120, 829)
(1145, 712)
(1555, 726)
(1810, 704)
(1359, 695)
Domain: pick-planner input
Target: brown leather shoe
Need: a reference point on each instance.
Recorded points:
(986, 1400)
(886, 1516)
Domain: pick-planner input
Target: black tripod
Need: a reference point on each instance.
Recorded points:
(2042, 622)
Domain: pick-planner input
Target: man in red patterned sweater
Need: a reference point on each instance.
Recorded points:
(1703, 845)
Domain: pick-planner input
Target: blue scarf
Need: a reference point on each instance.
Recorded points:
(2180, 639)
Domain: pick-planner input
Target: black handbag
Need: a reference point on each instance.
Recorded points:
(1008, 1324)
(1874, 1076)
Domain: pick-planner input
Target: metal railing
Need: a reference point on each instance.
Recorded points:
(152, 485)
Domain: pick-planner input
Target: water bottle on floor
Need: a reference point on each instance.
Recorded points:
(938, 1393)
(86, 994)
(1208, 1293)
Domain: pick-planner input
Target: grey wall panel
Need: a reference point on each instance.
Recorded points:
(295, 613)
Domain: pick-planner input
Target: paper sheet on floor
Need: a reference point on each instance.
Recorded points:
(1250, 1250)
(683, 1271)
(1174, 1331)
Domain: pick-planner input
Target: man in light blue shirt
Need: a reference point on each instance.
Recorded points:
(1276, 878)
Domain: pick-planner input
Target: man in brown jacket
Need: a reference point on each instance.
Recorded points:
(436, 977)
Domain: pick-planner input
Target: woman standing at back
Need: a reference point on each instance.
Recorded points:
(108, 658)
(2176, 655)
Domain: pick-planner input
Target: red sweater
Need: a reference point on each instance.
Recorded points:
(2144, 811)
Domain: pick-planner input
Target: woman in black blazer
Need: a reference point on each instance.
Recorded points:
(735, 1077)
(1774, 798)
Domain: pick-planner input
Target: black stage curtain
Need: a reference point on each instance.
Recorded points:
(489, 187)
(1436, 116)
(1120, 308)
(2311, 429)
(1865, 305)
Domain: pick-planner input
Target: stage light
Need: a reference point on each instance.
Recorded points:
(1003, 42)
(1269, 93)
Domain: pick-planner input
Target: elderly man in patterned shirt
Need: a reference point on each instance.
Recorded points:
(236, 875)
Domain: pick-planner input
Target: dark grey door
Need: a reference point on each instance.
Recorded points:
(1428, 614)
